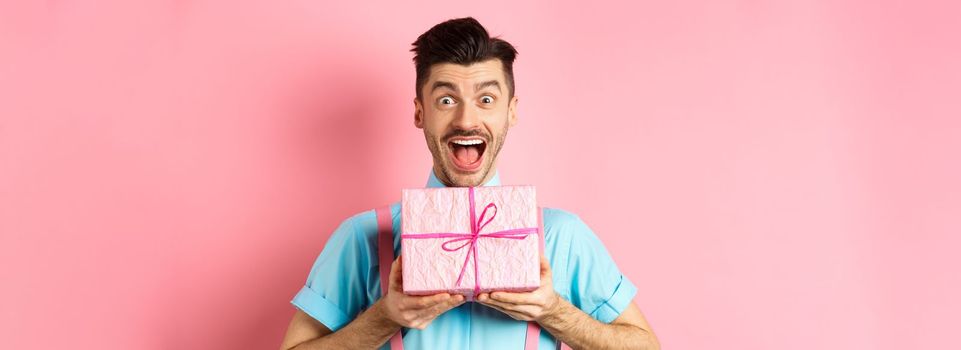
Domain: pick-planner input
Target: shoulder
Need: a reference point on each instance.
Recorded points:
(360, 223)
(363, 225)
(563, 222)
(566, 228)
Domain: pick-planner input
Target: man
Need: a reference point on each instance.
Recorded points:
(465, 104)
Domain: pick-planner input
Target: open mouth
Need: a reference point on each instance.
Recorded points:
(467, 153)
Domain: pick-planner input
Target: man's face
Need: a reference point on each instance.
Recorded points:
(465, 112)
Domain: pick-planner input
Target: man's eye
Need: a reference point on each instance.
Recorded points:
(487, 99)
(446, 101)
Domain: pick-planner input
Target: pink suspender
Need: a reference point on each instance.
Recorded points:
(534, 329)
(385, 252)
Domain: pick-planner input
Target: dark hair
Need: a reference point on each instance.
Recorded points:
(461, 41)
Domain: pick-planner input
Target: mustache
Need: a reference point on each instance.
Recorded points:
(467, 133)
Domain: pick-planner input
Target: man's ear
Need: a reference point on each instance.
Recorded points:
(418, 113)
(512, 112)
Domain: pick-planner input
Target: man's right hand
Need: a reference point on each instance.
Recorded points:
(413, 311)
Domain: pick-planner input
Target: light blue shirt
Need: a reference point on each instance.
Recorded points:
(345, 280)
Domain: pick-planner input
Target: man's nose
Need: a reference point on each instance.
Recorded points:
(467, 118)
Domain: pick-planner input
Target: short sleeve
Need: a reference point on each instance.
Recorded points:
(337, 286)
(597, 286)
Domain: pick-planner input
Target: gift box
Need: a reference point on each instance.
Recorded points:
(470, 240)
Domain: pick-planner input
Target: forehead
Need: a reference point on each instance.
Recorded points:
(466, 76)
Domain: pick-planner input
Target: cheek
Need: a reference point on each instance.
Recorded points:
(439, 122)
(434, 132)
(500, 123)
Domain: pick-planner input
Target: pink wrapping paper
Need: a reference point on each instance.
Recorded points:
(503, 264)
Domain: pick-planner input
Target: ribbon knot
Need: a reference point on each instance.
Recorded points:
(470, 239)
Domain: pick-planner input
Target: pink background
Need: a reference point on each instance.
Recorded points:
(772, 175)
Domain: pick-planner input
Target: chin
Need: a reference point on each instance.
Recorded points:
(460, 179)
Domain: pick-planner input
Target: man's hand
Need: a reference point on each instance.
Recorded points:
(528, 306)
(413, 311)
(568, 323)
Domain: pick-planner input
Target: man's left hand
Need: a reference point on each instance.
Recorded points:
(526, 306)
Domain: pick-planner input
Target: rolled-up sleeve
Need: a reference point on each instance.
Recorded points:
(336, 288)
(597, 286)
(321, 309)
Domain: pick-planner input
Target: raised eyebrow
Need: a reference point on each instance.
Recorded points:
(443, 84)
(486, 84)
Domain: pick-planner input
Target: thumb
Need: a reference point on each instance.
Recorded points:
(545, 266)
(396, 275)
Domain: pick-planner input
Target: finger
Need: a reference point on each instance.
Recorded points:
(396, 275)
(426, 302)
(457, 299)
(545, 267)
(443, 307)
(513, 298)
(515, 315)
(500, 304)
(426, 316)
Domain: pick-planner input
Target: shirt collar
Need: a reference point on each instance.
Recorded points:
(432, 181)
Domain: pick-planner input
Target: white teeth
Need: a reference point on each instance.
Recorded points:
(468, 142)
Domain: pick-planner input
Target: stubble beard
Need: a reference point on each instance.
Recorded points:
(438, 150)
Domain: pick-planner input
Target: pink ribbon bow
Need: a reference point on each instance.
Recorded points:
(470, 239)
